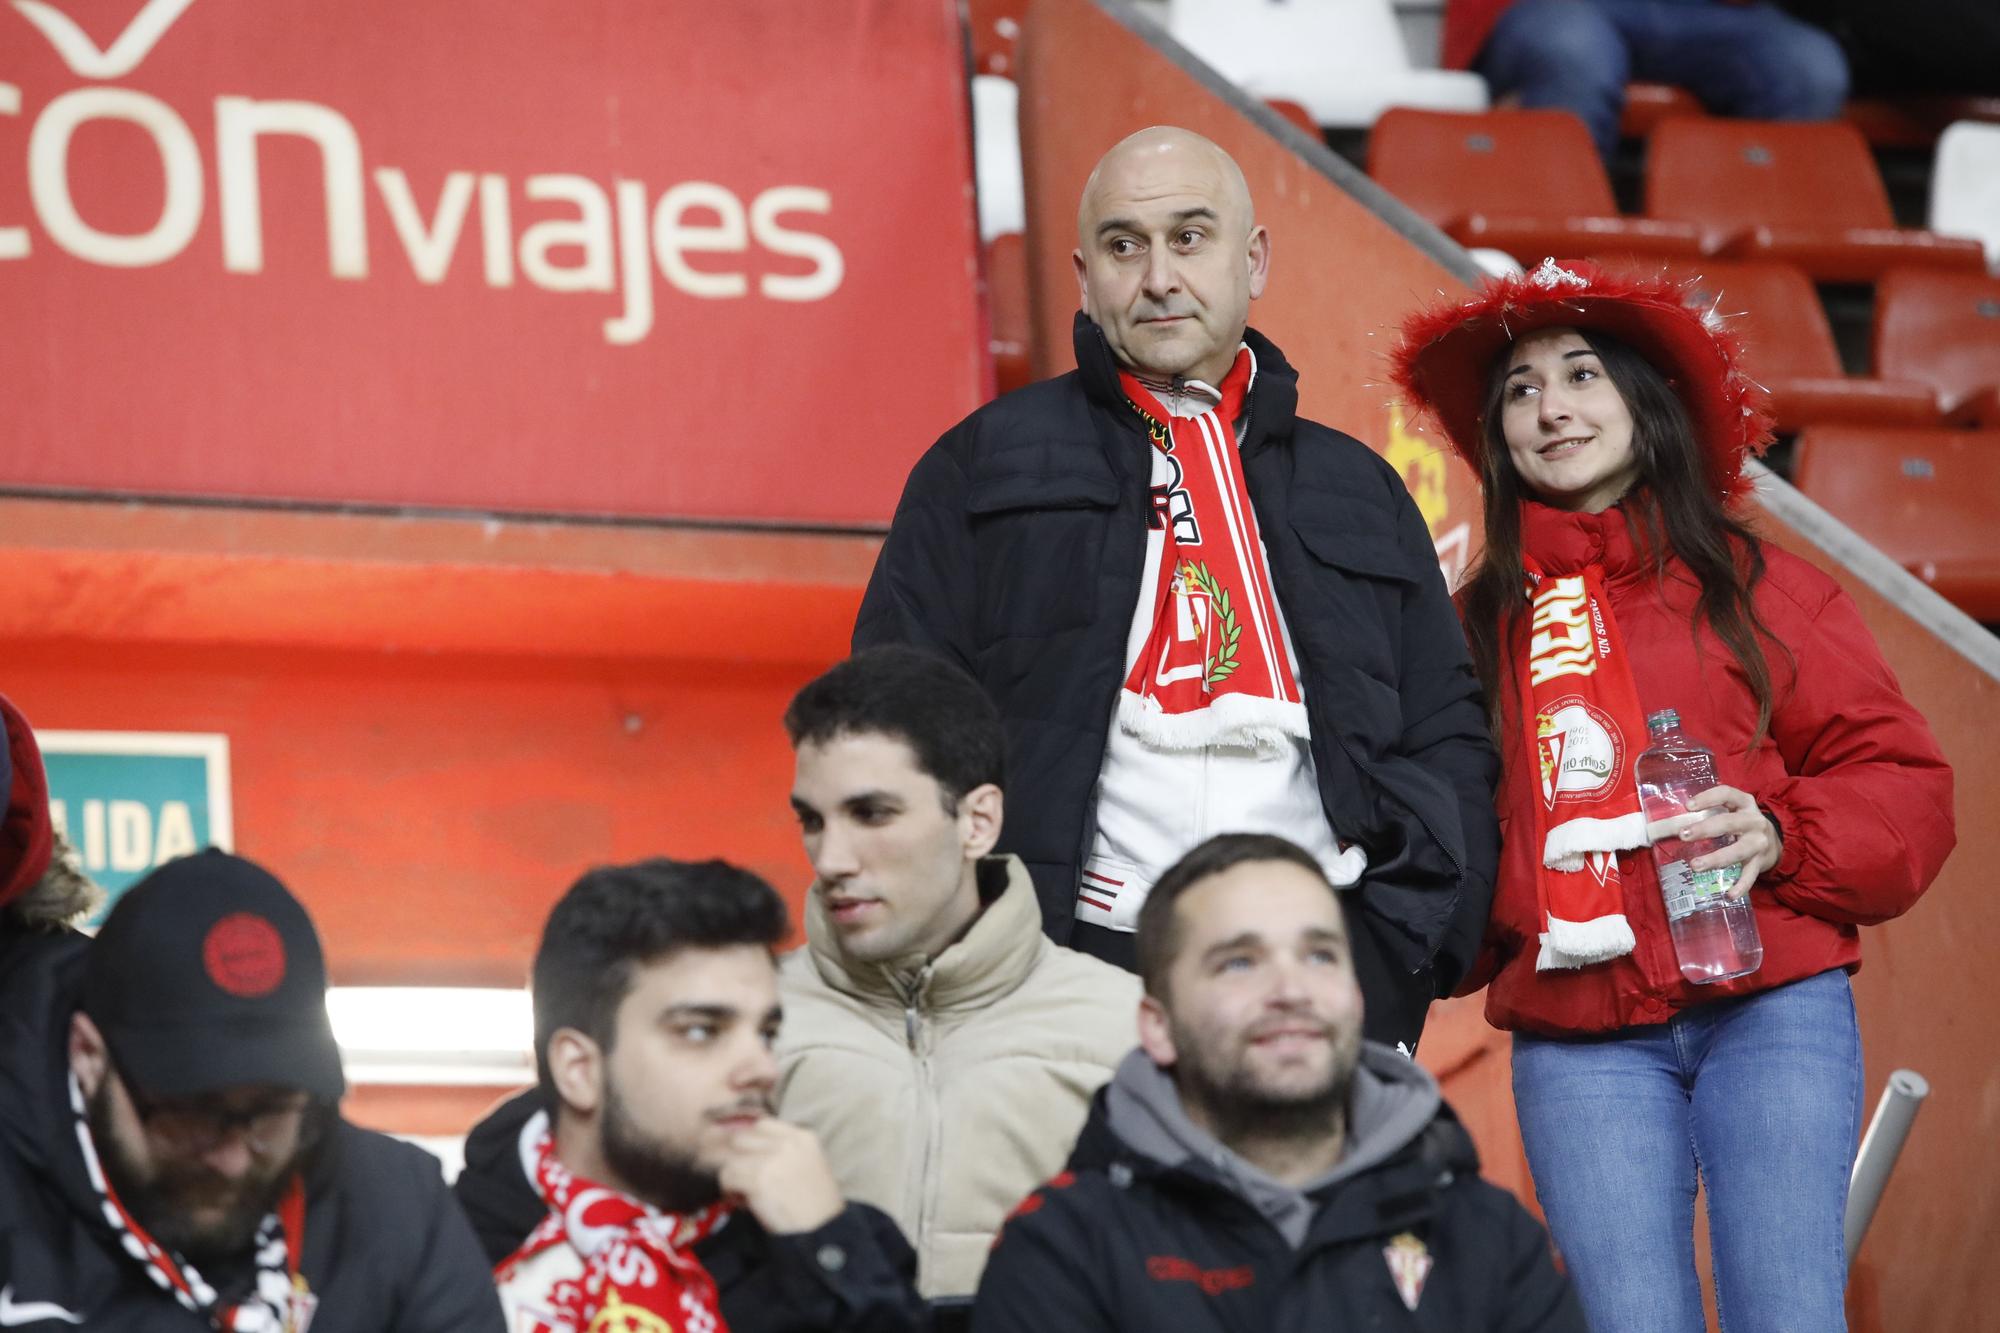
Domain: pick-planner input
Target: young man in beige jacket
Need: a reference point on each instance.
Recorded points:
(942, 1048)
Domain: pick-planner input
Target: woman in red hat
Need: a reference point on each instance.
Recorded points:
(1609, 424)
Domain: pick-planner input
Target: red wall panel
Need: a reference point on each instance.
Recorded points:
(647, 257)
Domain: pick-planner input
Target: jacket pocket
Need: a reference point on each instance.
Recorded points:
(1037, 543)
(1357, 538)
(1360, 579)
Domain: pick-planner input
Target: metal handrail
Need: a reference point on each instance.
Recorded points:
(1880, 1147)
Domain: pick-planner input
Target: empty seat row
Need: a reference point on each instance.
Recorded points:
(1936, 343)
(1900, 122)
(1924, 498)
(1529, 183)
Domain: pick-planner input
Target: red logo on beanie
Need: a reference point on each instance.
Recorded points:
(244, 955)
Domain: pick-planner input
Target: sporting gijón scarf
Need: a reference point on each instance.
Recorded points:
(1584, 728)
(1214, 670)
(639, 1266)
(277, 1301)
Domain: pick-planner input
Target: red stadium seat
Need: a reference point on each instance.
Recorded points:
(1295, 113)
(1647, 104)
(1926, 498)
(1915, 122)
(1526, 182)
(1809, 194)
(1007, 305)
(1943, 329)
(1789, 349)
(996, 33)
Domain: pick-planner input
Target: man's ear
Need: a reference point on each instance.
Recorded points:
(576, 1067)
(980, 812)
(1156, 1035)
(1260, 260)
(1082, 281)
(89, 1057)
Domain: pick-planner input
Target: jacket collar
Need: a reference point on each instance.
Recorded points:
(1404, 1145)
(1272, 405)
(1564, 542)
(989, 962)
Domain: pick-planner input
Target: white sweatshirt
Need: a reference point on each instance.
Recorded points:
(1155, 805)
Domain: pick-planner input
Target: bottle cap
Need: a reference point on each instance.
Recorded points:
(1667, 719)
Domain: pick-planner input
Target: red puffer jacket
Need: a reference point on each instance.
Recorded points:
(1850, 772)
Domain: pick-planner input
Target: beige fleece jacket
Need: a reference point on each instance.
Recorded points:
(945, 1091)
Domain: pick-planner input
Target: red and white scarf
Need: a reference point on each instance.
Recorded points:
(278, 1301)
(1214, 669)
(1584, 728)
(639, 1266)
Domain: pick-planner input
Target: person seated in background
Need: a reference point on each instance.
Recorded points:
(172, 1155)
(654, 1188)
(1256, 1165)
(943, 1047)
(1739, 57)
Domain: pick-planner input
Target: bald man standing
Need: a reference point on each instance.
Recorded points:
(1198, 612)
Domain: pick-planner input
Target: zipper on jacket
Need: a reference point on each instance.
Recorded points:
(1201, 794)
(926, 1111)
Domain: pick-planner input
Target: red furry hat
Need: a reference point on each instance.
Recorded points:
(25, 836)
(1445, 359)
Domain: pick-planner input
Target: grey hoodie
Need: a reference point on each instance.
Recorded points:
(1392, 1100)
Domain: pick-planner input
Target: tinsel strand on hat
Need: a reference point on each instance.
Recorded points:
(1444, 359)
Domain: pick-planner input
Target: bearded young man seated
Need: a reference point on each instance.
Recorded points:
(673, 1198)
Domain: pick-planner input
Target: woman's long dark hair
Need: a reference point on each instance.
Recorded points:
(1672, 512)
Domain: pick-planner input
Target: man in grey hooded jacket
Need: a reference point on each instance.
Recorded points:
(1255, 1164)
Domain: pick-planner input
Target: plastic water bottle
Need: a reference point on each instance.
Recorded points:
(1715, 936)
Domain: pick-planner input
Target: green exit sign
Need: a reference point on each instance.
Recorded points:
(130, 800)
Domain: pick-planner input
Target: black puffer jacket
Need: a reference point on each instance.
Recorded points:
(1132, 1239)
(856, 1274)
(386, 1248)
(1017, 551)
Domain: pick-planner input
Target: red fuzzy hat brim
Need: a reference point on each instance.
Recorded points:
(26, 838)
(1446, 357)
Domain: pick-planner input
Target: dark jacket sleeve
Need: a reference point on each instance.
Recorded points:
(1039, 1278)
(923, 591)
(1444, 730)
(451, 1289)
(856, 1274)
(1866, 809)
(492, 1189)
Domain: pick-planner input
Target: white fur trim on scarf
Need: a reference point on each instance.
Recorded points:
(1268, 726)
(1580, 943)
(1568, 843)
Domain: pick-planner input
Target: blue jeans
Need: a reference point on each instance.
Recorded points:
(1750, 60)
(1762, 1097)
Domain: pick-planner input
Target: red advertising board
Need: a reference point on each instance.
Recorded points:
(633, 257)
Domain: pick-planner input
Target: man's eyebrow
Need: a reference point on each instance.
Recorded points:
(1241, 940)
(1202, 211)
(699, 1013)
